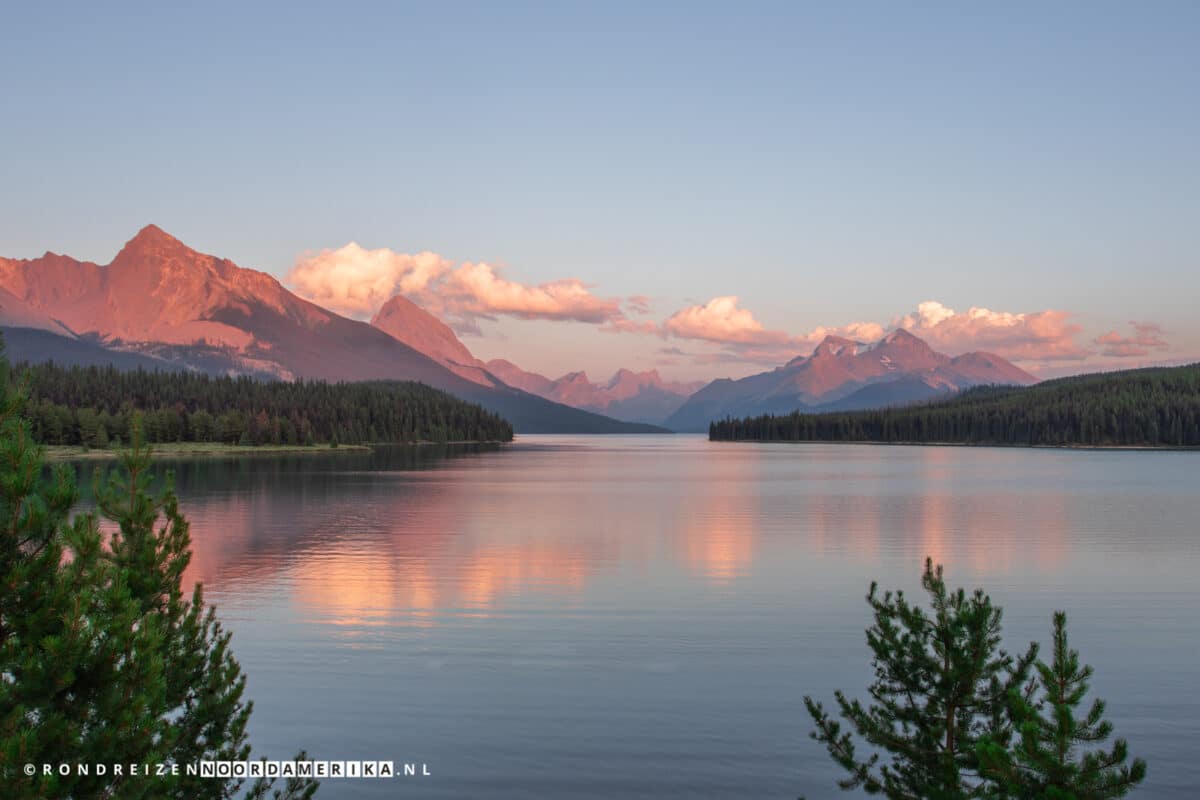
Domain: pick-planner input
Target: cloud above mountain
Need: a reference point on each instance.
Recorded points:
(742, 336)
(478, 290)
(722, 320)
(355, 281)
(1033, 336)
(1040, 337)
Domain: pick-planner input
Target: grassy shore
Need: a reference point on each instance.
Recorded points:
(199, 450)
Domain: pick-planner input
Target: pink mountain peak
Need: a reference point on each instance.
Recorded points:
(622, 376)
(901, 341)
(152, 238)
(835, 346)
(154, 254)
(405, 321)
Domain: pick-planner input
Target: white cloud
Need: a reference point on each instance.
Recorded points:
(1028, 336)
(355, 281)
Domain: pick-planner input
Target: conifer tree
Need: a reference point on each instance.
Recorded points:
(1058, 755)
(102, 660)
(941, 683)
(67, 694)
(200, 705)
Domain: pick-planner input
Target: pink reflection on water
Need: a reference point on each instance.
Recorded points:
(418, 547)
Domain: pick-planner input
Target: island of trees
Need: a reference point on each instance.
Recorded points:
(1156, 407)
(95, 407)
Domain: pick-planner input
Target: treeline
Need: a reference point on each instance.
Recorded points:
(94, 407)
(1157, 407)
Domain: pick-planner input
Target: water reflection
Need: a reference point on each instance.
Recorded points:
(425, 532)
(719, 538)
(539, 613)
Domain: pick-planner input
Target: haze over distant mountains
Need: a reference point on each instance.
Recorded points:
(630, 396)
(160, 302)
(636, 396)
(841, 374)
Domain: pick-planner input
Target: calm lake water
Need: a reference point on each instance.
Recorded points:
(640, 617)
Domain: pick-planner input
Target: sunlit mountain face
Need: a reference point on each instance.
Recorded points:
(841, 374)
(162, 298)
(161, 304)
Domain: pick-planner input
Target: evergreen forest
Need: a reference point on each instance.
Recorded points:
(94, 407)
(1155, 407)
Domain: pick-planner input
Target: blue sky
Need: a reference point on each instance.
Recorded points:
(825, 163)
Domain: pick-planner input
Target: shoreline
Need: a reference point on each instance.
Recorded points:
(189, 450)
(880, 443)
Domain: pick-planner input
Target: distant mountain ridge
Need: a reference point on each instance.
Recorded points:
(161, 299)
(631, 396)
(635, 396)
(842, 374)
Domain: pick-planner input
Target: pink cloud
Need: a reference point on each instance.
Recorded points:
(638, 304)
(1033, 336)
(477, 290)
(355, 281)
(624, 325)
(1146, 336)
(721, 320)
(856, 331)
(1039, 337)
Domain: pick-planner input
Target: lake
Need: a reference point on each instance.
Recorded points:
(640, 617)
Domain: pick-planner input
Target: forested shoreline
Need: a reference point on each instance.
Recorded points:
(95, 406)
(1154, 407)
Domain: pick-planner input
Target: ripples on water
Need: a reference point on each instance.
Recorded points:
(641, 616)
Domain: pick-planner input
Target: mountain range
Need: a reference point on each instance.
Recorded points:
(634, 396)
(162, 303)
(844, 375)
(629, 396)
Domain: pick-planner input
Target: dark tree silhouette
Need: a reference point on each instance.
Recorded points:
(1158, 407)
(941, 681)
(952, 716)
(1058, 754)
(94, 406)
(103, 659)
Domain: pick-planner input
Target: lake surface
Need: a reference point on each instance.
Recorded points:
(640, 617)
